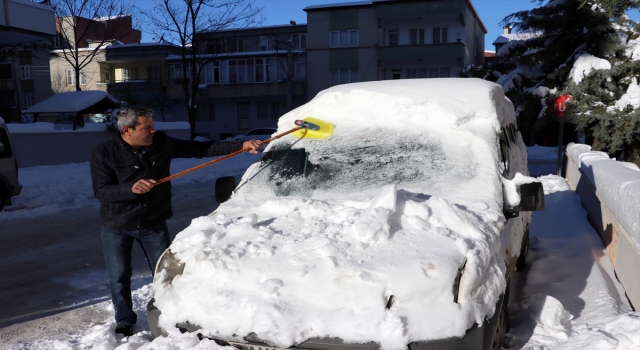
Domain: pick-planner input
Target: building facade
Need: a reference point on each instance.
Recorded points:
(26, 29)
(382, 39)
(250, 77)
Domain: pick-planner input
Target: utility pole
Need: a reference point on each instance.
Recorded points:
(289, 75)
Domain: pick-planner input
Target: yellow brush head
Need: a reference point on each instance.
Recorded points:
(324, 131)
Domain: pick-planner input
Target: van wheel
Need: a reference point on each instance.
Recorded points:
(502, 327)
(524, 251)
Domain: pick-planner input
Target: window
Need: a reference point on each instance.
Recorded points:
(106, 75)
(6, 71)
(344, 76)
(129, 74)
(25, 72)
(343, 38)
(278, 109)
(214, 46)
(396, 74)
(210, 73)
(206, 112)
(266, 43)
(243, 116)
(416, 36)
(264, 110)
(27, 100)
(440, 35)
(299, 41)
(154, 74)
(235, 45)
(439, 73)
(417, 73)
(175, 73)
(70, 75)
(393, 37)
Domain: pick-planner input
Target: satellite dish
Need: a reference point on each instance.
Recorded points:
(293, 23)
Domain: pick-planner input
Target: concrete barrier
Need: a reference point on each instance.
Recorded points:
(52, 144)
(609, 191)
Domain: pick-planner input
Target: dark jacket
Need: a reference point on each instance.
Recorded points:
(116, 166)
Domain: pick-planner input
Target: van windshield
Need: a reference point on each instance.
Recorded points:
(355, 163)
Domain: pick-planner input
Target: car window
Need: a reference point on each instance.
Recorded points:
(353, 163)
(5, 146)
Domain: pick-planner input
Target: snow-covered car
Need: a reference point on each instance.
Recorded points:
(255, 134)
(401, 230)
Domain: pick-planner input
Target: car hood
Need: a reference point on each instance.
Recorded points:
(298, 268)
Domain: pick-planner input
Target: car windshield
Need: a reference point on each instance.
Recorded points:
(342, 165)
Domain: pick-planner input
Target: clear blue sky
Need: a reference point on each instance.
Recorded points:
(278, 12)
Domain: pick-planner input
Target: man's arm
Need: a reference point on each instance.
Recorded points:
(105, 183)
(197, 149)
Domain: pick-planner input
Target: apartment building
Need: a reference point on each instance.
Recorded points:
(390, 39)
(26, 28)
(250, 77)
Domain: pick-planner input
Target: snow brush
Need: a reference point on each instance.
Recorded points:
(310, 128)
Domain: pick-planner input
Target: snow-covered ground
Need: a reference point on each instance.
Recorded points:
(568, 297)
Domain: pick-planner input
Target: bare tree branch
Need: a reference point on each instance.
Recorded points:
(183, 21)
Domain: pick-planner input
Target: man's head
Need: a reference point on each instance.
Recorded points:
(136, 126)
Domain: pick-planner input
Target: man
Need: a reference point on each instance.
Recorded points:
(124, 171)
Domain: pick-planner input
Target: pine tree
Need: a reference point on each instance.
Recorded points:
(587, 48)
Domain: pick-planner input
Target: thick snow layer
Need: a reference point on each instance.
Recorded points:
(631, 97)
(617, 184)
(72, 101)
(571, 298)
(585, 64)
(567, 264)
(319, 256)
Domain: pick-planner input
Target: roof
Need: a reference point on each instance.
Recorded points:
(505, 38)
(76, 102)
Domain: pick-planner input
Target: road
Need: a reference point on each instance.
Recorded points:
(54, 261)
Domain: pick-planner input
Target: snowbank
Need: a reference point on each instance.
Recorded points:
(617, 183)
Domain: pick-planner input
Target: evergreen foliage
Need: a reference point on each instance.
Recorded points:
(587, 48)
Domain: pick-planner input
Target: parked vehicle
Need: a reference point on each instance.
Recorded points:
(255, 134)
(9, 185)
(401, 230)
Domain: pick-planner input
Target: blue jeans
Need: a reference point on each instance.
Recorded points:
(118, 245)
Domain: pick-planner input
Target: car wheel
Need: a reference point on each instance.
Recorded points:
(502, 328)
(524, 251)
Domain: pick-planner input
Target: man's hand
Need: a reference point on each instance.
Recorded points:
(143, 186)
(253, 144)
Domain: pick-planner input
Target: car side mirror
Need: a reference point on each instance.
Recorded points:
(531, 196)
(224, 188)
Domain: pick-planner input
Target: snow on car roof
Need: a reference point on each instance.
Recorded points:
(321, 264)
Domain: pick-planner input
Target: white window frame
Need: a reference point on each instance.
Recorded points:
(266, 43)
(25, 72)
(27, 100)
(299, 41)
(393, 37)
(70, 76)
(417, 36)
(442, 36)
(344, 38)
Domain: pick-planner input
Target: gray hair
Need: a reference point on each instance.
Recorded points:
(128, 116)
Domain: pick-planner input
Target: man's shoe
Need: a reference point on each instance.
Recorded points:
(125, 329)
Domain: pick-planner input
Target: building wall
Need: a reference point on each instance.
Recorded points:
(59, 67)
(385, 49)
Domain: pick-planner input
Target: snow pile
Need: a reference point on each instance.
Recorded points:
(571, 299)
(631, 97)
(297, 258)
(585, 64)
(617, 183)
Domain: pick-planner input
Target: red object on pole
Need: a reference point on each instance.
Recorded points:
(559, 104)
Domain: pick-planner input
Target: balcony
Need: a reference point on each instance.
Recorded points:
(241, 90)
(132, 87)
(427, 52)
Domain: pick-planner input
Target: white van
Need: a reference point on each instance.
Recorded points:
(9, 185)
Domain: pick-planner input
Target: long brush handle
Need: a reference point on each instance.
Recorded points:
(184, 172)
